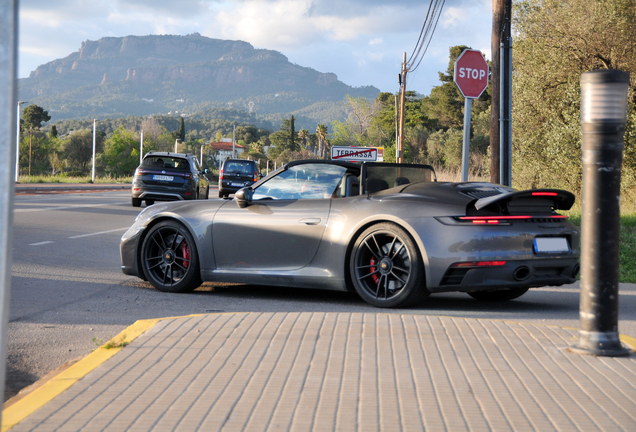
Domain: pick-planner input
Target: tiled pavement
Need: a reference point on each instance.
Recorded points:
(339, 371)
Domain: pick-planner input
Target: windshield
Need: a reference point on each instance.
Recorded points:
(307, 181)
(161, 162)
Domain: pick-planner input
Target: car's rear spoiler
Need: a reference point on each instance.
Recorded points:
(559, 199)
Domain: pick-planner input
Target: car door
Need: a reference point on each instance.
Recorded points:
(280, 234)
(283, 225)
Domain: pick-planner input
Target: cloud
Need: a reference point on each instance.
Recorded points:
(362, 41)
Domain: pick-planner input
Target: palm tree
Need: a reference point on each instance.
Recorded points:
(303, 134)
(321, 133)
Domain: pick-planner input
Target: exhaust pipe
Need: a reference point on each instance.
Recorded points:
(521, 273)
(576, 270)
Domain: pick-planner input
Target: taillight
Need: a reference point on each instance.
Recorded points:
(221, 175)
(188, 175)
(494, 220)
(255, 177)
(544, 194)
(139, 172)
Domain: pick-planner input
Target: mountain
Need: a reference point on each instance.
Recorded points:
(158, 74)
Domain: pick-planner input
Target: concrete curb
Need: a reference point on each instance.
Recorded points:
(69, 187)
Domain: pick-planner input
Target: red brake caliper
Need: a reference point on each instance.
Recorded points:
(186, 254)
(375, 277)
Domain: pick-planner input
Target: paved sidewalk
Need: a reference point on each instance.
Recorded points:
(336, 371)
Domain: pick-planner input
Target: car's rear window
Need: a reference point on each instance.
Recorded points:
(239, 167)
(166, 162)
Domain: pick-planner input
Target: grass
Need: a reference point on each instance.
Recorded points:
(72, 179)
(627, 245)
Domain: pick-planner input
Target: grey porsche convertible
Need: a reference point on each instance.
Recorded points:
(388, 231)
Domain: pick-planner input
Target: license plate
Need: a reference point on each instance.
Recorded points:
(551, 244)
(238, 184)
(162, 177)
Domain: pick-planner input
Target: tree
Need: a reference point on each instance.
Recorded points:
(303, 135)
(53, 133)
(556, 42)
(78, 149)
(321, 133)
(181, 133)
(34, 116)
(121, 152)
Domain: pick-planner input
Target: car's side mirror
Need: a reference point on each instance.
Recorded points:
(243, 197)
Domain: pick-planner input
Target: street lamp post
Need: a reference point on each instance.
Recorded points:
(176, 142)
(141, 147)
(93, 170)
(17, 145)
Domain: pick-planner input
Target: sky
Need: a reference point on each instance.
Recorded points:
(361, 41)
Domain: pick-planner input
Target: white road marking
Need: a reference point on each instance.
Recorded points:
(27, 210)
(40, 243)
(98, 233)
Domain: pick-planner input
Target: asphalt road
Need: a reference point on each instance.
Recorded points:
(68, 294)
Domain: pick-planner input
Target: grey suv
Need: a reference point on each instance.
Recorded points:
(164, 176)
(236, 174)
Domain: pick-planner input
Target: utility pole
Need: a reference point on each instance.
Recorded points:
(397, 117)
(400, 144)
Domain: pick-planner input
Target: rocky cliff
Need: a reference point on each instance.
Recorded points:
(139, 75)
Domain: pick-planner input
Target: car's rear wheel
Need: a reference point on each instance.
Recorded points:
(150, 202)
(386, 268)
(169, 258)
(207, 192)
(500, 295)
(136, 202)
(221, 194)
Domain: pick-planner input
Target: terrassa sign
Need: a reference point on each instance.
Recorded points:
(367, 154)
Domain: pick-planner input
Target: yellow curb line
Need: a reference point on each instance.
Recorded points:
(52, 388)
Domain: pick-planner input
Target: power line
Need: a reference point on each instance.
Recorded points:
(426, 34)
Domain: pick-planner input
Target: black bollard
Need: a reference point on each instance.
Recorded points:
(603, 117)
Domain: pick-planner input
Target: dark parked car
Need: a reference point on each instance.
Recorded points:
(164, 176)
(236, 174)
(388, 231)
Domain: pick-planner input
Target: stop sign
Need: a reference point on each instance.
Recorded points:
(471, 73)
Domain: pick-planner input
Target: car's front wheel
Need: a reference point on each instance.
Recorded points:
(497, 296)
(169, 258)
(386, 268)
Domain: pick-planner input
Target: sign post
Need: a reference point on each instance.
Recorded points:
(471, 78)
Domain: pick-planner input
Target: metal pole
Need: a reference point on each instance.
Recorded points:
(93, 170)
(509, 114)
(201, 157)
(175, 144)
(603, 118)
(502, 151)
(17, 144)
(141, 147)
(468, 103)
(233, 143)
(8, 99)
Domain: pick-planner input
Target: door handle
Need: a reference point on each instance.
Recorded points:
(311, 221)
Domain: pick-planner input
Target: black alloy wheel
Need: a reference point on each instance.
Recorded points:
(498, 296)
(386, 268)
(169, 258)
